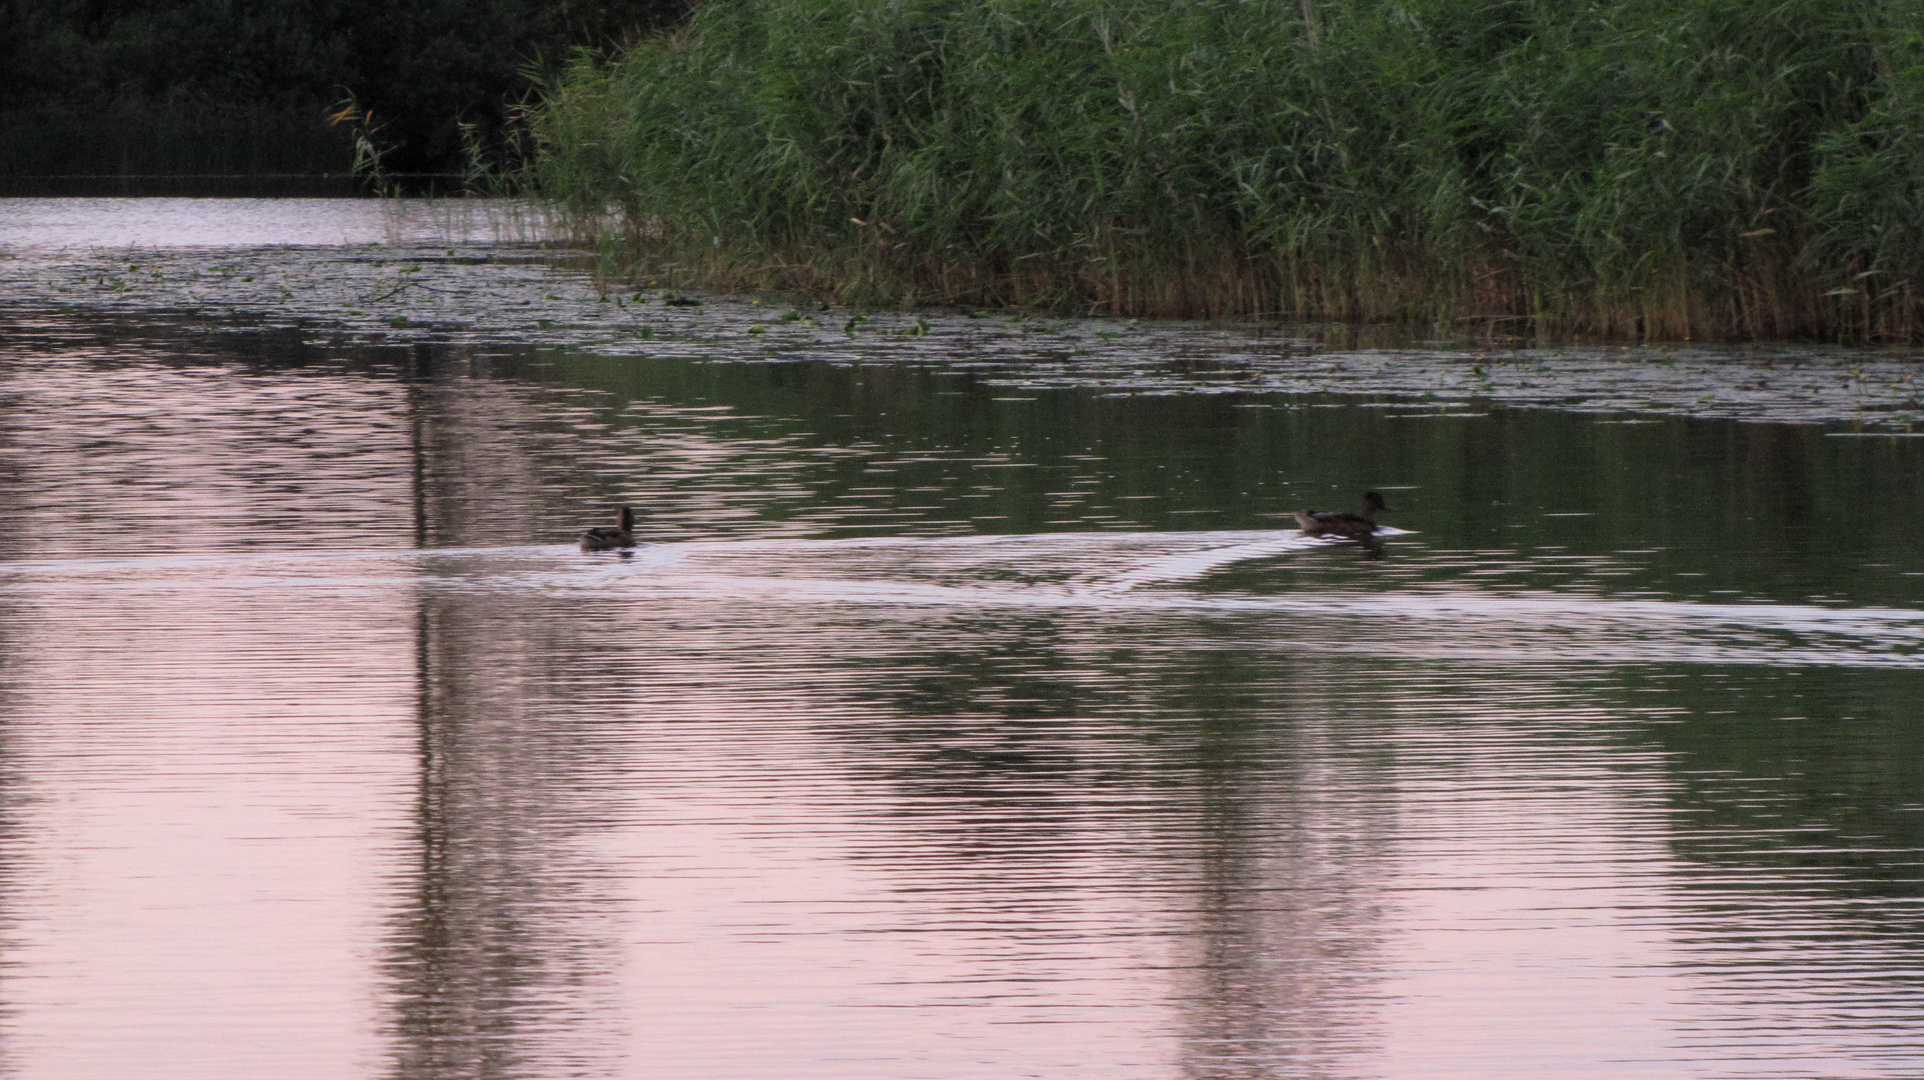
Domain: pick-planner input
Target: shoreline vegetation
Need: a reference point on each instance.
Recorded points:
(1657, 169)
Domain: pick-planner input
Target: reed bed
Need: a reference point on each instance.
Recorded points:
(1709, 169)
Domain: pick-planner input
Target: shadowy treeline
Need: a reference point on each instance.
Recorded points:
(144, 90)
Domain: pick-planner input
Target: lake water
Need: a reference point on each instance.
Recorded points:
(972, 709)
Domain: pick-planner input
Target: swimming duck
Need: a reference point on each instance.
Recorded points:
(1355, 526)
(604, 537)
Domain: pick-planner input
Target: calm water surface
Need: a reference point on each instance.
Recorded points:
(963, 716)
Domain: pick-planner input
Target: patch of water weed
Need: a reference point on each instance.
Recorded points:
(482, 294)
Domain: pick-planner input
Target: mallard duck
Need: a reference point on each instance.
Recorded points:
(604, 537)
(1341, 523)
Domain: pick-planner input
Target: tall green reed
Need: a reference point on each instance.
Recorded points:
(1669, 168)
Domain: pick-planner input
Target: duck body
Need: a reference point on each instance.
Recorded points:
(609, 537)
(1355, 526)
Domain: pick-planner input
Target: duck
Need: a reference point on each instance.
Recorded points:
(606, 537)
(1357, 526)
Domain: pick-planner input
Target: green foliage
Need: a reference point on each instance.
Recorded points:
(1664, 167)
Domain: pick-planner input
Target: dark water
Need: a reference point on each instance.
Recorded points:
(951, 723)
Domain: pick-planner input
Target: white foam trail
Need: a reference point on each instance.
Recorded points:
(1111, 572)
(1190, 565)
